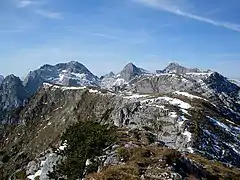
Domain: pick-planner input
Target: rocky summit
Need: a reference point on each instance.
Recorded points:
(69, 74)
(178, 69)
(63, 122)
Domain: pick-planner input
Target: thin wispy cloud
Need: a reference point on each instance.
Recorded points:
(49, 14)
(26, 3)
(226, 55)
(17, 28)
(170, 7)
(106, 36)
(38, 7)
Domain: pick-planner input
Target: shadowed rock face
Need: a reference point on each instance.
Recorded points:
(12, 93)
(1, 79)
(130, 71)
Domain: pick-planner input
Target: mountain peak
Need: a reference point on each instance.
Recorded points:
(71, 73)
(12, 77)
(130, 71)
(74, 63)
(178, 69)
(130, 65)
(173, 64)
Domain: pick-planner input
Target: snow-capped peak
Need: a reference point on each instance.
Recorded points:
(178, 69)
(69, 74)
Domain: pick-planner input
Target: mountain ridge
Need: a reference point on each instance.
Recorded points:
(190, 123)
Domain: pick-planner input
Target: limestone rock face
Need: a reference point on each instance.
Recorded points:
(12, 93)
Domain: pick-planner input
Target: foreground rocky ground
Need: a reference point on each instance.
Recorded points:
(172, 135)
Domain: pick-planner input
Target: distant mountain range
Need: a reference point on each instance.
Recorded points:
(13, 92)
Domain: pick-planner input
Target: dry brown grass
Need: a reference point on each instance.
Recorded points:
(216, 168)
(122, 172)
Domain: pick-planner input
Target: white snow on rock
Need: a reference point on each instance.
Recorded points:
(88, 162)
(94, 91)
(180, 123)
(200, 74)
(184, 111)
(188, 134)
(119, 82)
(215, 121)
(48, 85)
(233, 130)
(63, 146)
(181, 120)
(176, 102)
(173, 114)
(37, 174)
(236, 149)
(190, 149)
(135, 96)
(64, 88)
(187, 95)
(109, 82)
(157, 106)
(230, 121)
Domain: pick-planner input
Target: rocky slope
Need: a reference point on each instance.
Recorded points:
(179, 120)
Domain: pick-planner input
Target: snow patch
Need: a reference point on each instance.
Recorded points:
(187, 95)
(48, 85)
(176, 102)
(173, 114)
(184, 111)
(135, 96)
(190, 149)
(216, 122)
(188, 134)
(199, 74)
(230, 121)
(119, 82)
(63, 146)
(94, 91)
(37, 174)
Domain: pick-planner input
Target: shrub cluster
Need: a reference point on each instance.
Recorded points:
(85, 141)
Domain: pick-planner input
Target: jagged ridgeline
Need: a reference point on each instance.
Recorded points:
(177, 123)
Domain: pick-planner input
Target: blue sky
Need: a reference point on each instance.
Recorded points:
(106, 34)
